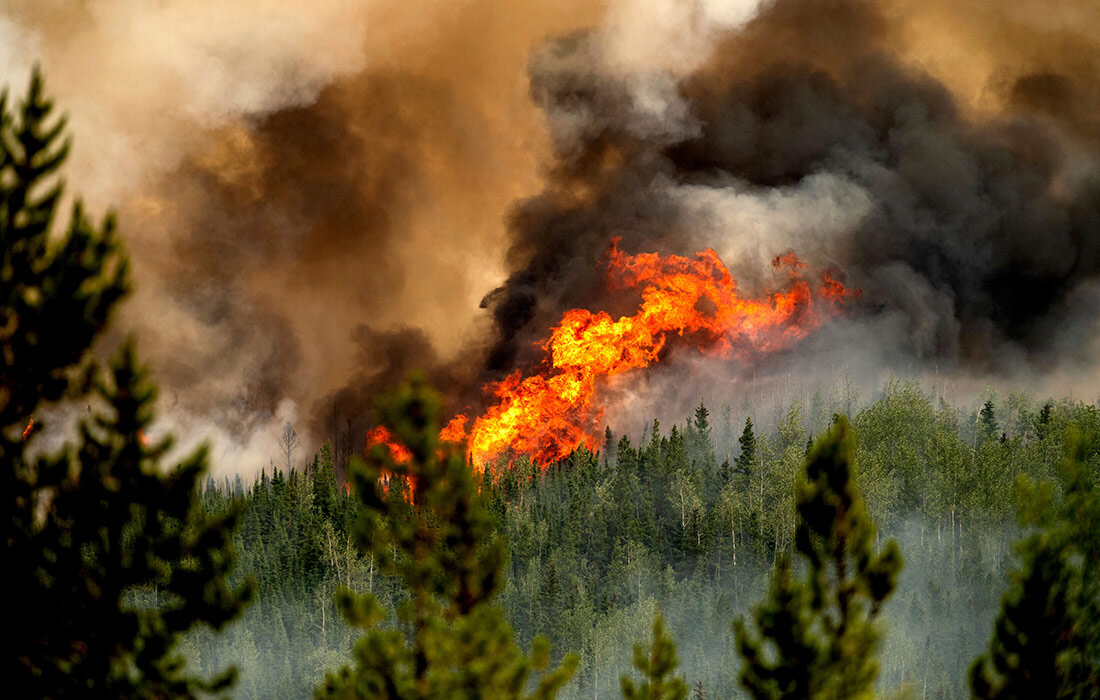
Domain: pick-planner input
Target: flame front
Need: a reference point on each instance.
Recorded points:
(550, 414)
(398, 452)
(380, 436)
(28, 430)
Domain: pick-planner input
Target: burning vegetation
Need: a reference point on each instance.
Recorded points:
(548, 414)
(692, 301)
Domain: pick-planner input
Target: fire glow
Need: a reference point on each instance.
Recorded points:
(398, 453)
(549, 414)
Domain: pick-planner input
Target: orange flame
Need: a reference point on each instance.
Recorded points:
(27, 431)
(455, 430)
(380, 436)
(550, 414)
(398, 452)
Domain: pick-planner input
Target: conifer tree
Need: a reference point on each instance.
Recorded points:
(746, 461)
(987, 420)
(452, 640)
(700, 447)
(1046, 638)
(816, 636)
(656, 665)
(107, 558)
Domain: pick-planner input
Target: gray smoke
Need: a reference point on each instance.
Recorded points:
(981, 229)
(316, 201)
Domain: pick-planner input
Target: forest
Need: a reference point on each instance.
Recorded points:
(689, 520)
(905, 545)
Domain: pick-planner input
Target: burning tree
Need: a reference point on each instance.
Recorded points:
(817, 635)
(452, 640)
(106, 557)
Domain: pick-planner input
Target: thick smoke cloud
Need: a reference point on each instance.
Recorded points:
(287, 175)
(977, 225)
(318, 197)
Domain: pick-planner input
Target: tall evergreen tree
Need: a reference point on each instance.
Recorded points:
(746, 461)
(108, 559)
(451, 563)
(656, 666)
(987, 421)
(1046, 638)
(816, 636)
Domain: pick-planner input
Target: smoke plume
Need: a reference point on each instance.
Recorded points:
(319, 199)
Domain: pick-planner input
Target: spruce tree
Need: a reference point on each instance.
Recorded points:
(656, 666)
(1046, 638)
(987, 420)
(108, 558)
(816, 635)
(746, 461)
(451, 639)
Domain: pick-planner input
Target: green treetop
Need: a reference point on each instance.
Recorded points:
(451, 639)
(746, 461)
(816, 636)
(656, 666)
(1046, 638)
(108, 559)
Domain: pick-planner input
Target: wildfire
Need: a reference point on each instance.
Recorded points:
(28, 430)
(398, 452)
(380, 436)
(455, 430)
(550, 414)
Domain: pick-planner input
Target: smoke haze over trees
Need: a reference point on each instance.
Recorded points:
(668, 524)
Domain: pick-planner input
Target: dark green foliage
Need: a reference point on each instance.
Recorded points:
(596, 549)
(1046, 639)
(987, 421)
(451, 639)
(1042, 427)
(108, 559)
(656, 666)
(746, 461)
(816, 636)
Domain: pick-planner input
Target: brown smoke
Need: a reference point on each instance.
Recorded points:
(318, 197)
(336, 200)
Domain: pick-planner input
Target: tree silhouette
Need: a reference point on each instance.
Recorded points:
(1046, 638)
(816, 636)
(656, 665)
(108, 558)
(451, 639)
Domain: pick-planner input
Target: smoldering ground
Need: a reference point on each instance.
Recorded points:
(319, 208)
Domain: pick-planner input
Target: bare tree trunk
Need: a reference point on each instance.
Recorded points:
(733, 538)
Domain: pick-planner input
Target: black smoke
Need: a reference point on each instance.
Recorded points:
(983, 226)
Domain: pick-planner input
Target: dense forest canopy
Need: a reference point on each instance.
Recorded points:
(690, 519)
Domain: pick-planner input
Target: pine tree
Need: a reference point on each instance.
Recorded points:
(108, 559)
(987, 420)
(746, 461)
(700, 439)
(656, 666)
(325, 490)
(452, 640)
(1042, 426)
(816, 636)
(1046, 638)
